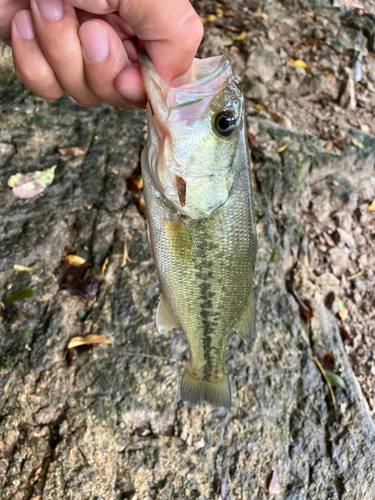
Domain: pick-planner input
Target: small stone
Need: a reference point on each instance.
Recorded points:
(347, 91)
(263, 64)
(256, 91)
(339, 260)
(347, 238)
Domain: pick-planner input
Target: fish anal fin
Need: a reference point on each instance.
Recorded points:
(245, 325)
(194, 391)
(165, 322)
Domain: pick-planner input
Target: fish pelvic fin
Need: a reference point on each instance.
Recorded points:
(194, 391)
(245, 325)
(165, 322)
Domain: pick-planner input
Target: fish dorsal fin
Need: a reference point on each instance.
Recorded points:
(165, 322)
(245, 325)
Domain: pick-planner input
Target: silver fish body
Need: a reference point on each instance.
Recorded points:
(200, 218)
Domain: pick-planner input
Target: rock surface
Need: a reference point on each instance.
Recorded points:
(107, 423)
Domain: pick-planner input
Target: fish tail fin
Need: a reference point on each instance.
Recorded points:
(194, 391)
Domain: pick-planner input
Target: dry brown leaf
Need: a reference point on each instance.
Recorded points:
(73, 260)
(71, 151)
(87, 340)
(219, 13)
(228, 13)
(262, 15)
(135, 183)
(313, 43)
(329, 146)
(142, 206)
(372, 206)
(22, 269)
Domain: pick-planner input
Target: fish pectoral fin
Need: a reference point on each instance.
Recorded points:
(165, 322)
(194, 391)
(245, 325)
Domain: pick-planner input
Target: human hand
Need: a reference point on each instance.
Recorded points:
(89, 48)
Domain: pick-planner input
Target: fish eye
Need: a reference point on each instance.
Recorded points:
(225, 123)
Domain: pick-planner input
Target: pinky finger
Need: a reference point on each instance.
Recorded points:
(30, 64)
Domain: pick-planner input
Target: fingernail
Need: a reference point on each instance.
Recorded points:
(94, 41)
(24, 25)
(51, 9)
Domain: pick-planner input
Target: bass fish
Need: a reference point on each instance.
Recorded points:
(196, 175)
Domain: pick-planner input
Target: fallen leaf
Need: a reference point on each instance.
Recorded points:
(328, 361)
(219, 13)
(304, 307)
(329, 146)
(298, 63)
(252, 140)
(324, 373)
(356, 275)
(283, 148)
(372, 206)
(228, 13)
(18, 295)
(343, 312)
(31, 184)
(335, 379)
(357, 144)
(311, 216)
(22, 269)
(87, 340)
(262, 15)
(73, 260)
(75, 280)
(240, 37)
(135, 183)
(142, 206)
(260, 107)
(312, 43)
(104, 266)
(274, 486)
(276, 117)
(71, 151)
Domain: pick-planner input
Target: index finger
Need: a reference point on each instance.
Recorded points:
(170, 31)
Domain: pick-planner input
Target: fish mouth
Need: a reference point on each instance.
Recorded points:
(206, 78)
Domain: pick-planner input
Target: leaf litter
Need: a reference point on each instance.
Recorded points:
(31, 184)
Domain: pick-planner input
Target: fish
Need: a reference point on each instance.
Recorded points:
(197, 188)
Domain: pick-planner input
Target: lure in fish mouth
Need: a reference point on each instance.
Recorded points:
(196, 175)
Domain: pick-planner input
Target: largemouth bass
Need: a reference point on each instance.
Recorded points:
(196, 174)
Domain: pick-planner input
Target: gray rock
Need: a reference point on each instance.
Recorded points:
(347, 98)
(256, 91)
(263, 64)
